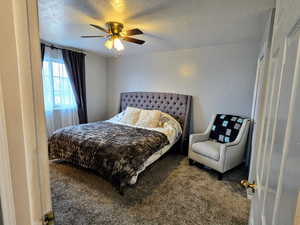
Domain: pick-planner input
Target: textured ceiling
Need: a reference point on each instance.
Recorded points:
(167, 24)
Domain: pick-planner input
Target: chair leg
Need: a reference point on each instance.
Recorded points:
(200, 165)
(191, 162)
(121, 188)
(220, 176)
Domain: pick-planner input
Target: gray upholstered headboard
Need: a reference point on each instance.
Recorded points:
(177, 105)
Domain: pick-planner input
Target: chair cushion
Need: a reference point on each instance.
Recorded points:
(210, 149)
(226, 128)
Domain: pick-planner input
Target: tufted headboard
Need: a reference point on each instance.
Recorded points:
(177, 105)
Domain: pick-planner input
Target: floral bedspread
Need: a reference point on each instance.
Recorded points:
(115, 151)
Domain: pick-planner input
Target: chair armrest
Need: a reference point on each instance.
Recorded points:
(194, 138)
(202, 136)
(230, 144)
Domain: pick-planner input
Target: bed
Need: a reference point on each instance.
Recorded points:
(120, 152)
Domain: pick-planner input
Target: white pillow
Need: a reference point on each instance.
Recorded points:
(131, 115)
(148, 118)
(117, 118)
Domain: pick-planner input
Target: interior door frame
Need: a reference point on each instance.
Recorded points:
(25, 194)
(6, 193)
(257, 89)
(264, 54)
(37, 81)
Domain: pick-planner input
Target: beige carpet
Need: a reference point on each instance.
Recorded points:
(170, 192)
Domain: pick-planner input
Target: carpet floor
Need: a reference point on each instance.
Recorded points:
(169, 192)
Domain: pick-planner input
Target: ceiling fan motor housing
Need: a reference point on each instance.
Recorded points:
(114, 27)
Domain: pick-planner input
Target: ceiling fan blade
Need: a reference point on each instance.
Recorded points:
(98, 27)
(134, 40)
(135, 31)
(91, 36)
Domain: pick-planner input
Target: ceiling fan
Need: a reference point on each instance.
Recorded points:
(115, 34)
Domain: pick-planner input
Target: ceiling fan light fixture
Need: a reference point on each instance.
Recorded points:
(118, 44)
(109, 44)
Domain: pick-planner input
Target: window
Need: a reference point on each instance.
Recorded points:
(58, 93)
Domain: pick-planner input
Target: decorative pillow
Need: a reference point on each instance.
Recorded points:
(170, 126)
(148, 118)
(166, 119)
(226, 128)
(131, 115)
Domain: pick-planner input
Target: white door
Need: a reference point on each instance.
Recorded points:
(275, 165)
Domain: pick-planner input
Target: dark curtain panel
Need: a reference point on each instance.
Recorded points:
(42, 52)
(75, 66)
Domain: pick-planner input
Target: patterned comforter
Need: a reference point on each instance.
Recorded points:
(115, 151)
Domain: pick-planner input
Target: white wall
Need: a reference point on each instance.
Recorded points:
(95, 66)
(220, 78)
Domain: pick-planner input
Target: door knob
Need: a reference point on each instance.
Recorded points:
(247, 185)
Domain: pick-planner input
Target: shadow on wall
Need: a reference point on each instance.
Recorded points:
(201, 117)
(198, 112)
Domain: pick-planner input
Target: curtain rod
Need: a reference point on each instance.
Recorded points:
(52, 46)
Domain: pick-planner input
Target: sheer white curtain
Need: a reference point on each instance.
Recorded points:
(60, 104)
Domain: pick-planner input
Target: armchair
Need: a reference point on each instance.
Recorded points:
(222, 145)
